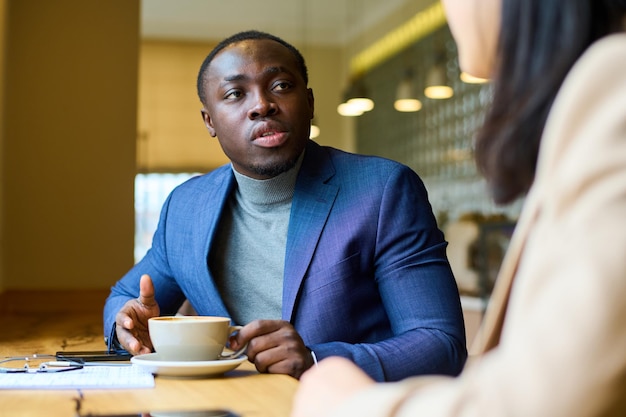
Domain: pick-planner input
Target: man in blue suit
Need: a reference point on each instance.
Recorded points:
(315, 251)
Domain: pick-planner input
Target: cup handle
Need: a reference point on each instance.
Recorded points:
(238, 352)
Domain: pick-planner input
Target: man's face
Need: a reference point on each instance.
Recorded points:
(258, 106)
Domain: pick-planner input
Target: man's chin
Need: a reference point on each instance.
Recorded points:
(271, 170)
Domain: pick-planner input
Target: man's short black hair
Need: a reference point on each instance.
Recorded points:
(242, 36)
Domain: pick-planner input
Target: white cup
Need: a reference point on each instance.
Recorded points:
(191, 338)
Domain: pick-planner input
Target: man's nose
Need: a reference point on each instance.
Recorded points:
(263, 106)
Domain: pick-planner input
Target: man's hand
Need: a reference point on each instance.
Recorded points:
(274, 346)
(131, 321)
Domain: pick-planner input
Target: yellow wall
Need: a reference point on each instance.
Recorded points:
(172, 136)
(69, 132)
(327, 78)
(3, 26)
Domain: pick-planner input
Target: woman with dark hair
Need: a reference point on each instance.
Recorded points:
(553, 340)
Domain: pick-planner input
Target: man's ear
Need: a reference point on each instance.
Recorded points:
(311, 102)
(206, 117)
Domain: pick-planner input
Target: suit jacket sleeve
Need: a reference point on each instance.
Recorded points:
(378, 289)
(561, 349)
(169, 296)
(177, 260)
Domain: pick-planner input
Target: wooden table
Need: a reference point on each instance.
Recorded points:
(242, 390)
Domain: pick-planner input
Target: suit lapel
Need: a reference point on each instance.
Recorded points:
(312, 201)
(210, 200)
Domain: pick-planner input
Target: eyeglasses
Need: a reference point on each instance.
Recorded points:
(37, 364)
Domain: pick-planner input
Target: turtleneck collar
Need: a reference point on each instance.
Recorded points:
(276, 190)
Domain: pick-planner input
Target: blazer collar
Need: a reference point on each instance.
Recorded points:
(314, 196)
(313, 199)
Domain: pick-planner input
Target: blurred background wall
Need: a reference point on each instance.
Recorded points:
(69, 111)
(3, 27)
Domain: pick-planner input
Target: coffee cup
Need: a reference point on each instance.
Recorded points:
(191, 338)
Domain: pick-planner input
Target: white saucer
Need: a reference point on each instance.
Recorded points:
(153, 364)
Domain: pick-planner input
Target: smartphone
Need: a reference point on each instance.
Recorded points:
(83, 356)
(197, 413)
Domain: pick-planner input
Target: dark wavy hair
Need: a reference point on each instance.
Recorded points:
(242, 36)
(540, 41)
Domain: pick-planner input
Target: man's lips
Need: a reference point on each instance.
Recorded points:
(270, 138)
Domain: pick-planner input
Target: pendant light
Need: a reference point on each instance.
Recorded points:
(347, 110)
(437, 84)
(470, 79)
(356, 100)
(315, 130)
(359, 98)
(406, 94)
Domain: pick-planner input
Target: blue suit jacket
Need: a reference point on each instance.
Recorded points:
(366, 273)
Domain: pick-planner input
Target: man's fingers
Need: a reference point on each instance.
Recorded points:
(125, 321)
(258, 328)
(125, 335)
(133, 336)
(146, 291)
(124, 318)
(132, 319)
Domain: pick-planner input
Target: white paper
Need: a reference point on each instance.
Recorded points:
(89, 377)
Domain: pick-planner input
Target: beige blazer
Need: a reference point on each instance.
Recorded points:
(553, 341)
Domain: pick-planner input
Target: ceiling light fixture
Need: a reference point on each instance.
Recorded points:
(436, 83)
(356, 100)
(345, 109)
(315, 130)
(470, 79)
(406, 96)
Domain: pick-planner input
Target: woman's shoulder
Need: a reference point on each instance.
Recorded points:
(612, 44)
(604, 58)
(596, 81)
(589, 110)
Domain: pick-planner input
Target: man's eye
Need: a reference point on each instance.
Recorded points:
(282, 85)
(233, 94)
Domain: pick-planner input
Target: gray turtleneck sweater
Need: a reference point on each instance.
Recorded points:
(249, 256)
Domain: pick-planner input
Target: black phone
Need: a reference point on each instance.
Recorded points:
(83, 356)
(187, 413)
